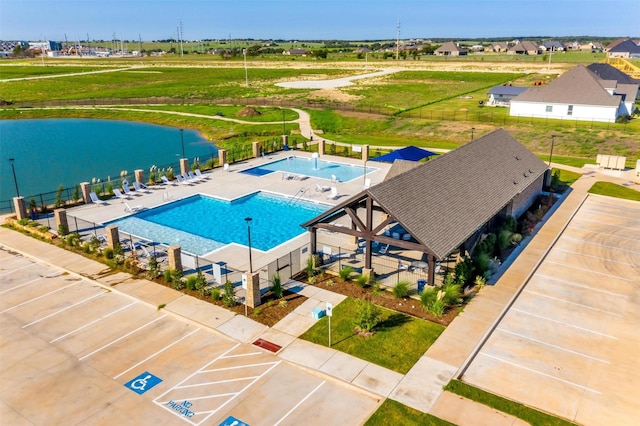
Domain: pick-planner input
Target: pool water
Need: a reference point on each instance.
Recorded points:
(311, 167)
(202, 224)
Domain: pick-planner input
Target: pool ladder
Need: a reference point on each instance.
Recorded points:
(298, 195)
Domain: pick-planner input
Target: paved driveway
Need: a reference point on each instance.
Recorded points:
(569, 345)
(75, 352)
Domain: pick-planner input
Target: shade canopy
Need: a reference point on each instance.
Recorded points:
(410, 153)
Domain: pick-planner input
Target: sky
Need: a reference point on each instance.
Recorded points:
(32, 20)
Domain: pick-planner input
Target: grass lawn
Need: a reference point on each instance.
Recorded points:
(394, 413)
(529, 415)
(567, 161)
(614, 190)
(567, 177)
(399, 340)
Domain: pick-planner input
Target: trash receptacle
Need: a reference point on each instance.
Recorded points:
(421, 284)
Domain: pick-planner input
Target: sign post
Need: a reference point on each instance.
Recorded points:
(329, 314)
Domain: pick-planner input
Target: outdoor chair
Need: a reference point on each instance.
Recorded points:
(334, 194)
(200, 175)
(193, 177)
(225, 167)
(132, 209)
(166, 181)
(96, 200)
(119, 194)
(138, 187)
(384, 249)
(322, 188)
(181, 181)
(126, 190)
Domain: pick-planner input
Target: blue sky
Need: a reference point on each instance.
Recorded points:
(315, 19)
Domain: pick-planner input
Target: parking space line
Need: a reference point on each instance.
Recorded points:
(93, 322)
(66, 308)
(564, 323)
(13, 270)
(299, 403)
(21, 285)
(552, 345)
(564, 265)
(609, 224)
(236, 367)
(590, 255)
(586, 287)
(580, 240)
(157, 353)
(122, 337)
(241, 355)
(216, 382)
(39, 297)
(618, 237)
(541, 373)
(573, 303)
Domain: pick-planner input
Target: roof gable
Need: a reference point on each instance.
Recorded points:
(576, 86)
(608, 72)
(626, 46)
(450, 47)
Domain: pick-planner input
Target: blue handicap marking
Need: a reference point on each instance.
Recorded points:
(232, 421)
(143, 382)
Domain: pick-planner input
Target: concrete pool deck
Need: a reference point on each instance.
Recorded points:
(233, 184)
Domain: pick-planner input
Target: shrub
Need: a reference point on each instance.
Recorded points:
(516, 239)
(510, 224)
(438, 307)
(311, 268)
(376, 289)
(345, 272)
(283, 303)
(191, 282)
(73, 239)
(62, 230)
(401, 289)
(367, 315)
(488, 245)
(108, 253)
(76, 193)
(464, 271)
(482, 263)
(201, 283)
(170, 174)
(504, 239)
(276, 286)
(229, 294)
(86, 248)
(362, 281)
(452, 294)
(215, 294)
(480, 282)
(59, 202)
(174, 276)
(153, 269)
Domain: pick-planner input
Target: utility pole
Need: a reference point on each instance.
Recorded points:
(398, 40)
(180, 34)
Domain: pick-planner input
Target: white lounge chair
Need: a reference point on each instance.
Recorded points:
(322, 188)
(334, 194)
(139, 188)
(402, 266)
(181, 181)
(166, 181)
(334, 179)
(225, 167)
(193, 177)
(200, 175)
(384, 249)
(287, 176)
(126, 190)
(96, 200)
(119, 194)
(130, 209)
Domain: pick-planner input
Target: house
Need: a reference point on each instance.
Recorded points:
(625, 49)
(500, 47)
(525, 47)
(608, 72)
(502, 95)
(295, 52)
(578, 94)
(554, 46)
(446, 204)
(450, 49)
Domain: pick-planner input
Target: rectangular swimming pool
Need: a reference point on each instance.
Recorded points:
(202, 224)
(311, 167)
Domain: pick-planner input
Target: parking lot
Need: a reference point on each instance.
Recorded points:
(569, 344)
(75, 352)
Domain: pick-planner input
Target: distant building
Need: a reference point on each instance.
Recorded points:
(625, 49)
(46, 46)
(295, 52)
(500, 47)
(553, 46)
(502, 95)
(450, 49)
(525, 47)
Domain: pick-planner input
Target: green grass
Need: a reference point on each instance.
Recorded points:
(567, 177)
(35, 70)
(394, 413)
(567, 161)
(614, 190)
(267, 114)
(529, 415)
(399, 341)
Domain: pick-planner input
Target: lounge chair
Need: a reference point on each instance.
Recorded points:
(322, 188)
(119, 194)
(181, 181)
(334, 179)
(200, 175)
(225, 167)
(384, 249)
(402, 266)
(287, 176)
(126, 190)
(132, 209)
(395, 235)
(166, 181)
(96, 200)
(406, 237)
(139, 188)
(193, 177)
(334, 194)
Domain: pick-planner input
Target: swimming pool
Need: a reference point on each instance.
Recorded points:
(202, 224)
(311, 167)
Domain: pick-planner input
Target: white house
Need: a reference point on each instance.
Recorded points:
(578, 94)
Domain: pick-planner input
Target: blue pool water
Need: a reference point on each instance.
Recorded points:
(201, 224)
(308, 167)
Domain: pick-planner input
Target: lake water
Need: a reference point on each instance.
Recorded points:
(53, 152)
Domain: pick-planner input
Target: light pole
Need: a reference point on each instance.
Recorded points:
(246, 76)
(473, 129)
(15, 180)
(182, 141)
(248, 220)
(553, 139)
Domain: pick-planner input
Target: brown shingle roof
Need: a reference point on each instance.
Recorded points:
(450, 47)
(576, 86)
(399, 167)
(444, 201)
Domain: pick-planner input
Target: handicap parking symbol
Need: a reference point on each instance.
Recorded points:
(143, 382)
(232, 421)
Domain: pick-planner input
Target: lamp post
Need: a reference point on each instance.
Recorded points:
(248, 220)
(182, 141)
(553, 139)
(473, 129)
(15, 180)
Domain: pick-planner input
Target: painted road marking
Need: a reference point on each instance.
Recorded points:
(552, 345)
(541, 373)
(21, 285)
(615, 314)
(577, 327)
(299, 403)
(595, 243)
(184, 393)
(66, 308)
(92, 322)
(586, 287)
(143, 382)
(590, 255)
(564, 265)
(617, 237)
(39, 297)
(157, 353)
(609, 224)
(232, 421)
(122, 337)
(13, 270)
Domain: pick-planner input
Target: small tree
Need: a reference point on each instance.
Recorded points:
(367, 316)
(276, 286)
(59, 202)
(76, 193)
(229, 294)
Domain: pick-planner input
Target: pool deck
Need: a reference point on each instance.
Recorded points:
(232, 184)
